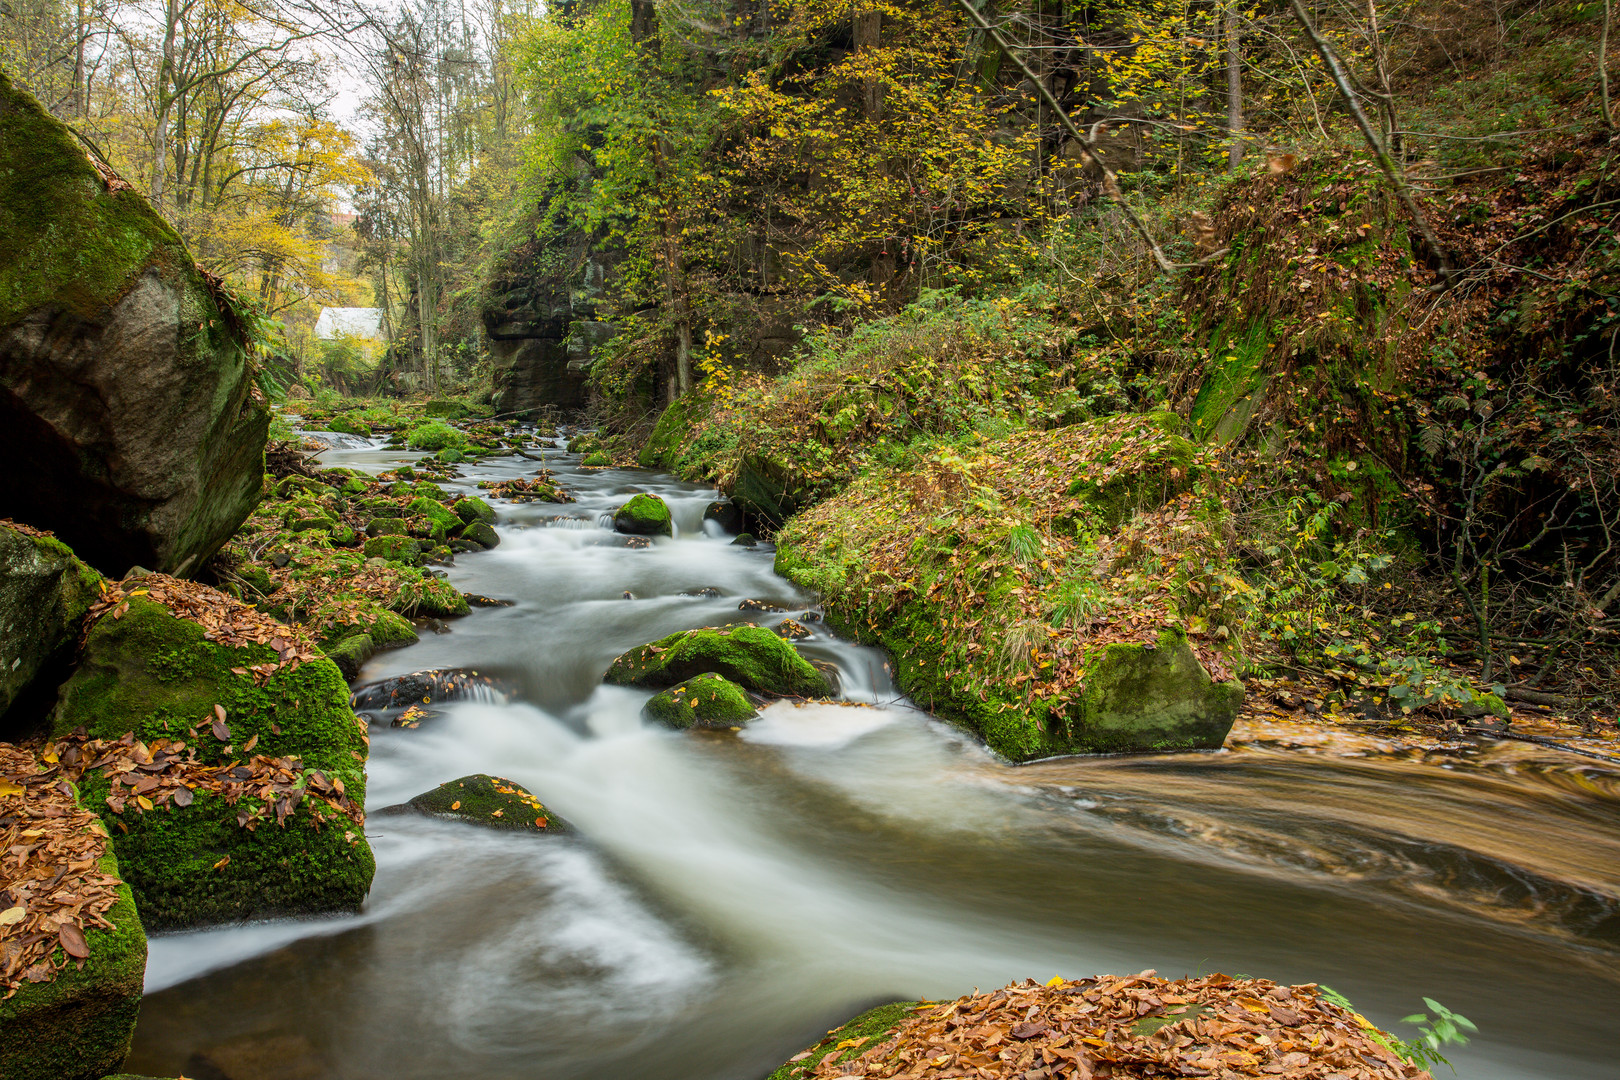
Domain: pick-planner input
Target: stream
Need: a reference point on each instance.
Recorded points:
(730, 897)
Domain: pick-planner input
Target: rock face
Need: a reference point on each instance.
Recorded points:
(79, 1025)
(44, 594)
(128, 421)
(1154, 698)
(750, 656)
(643, 515)
(705, 701)
(153, 673)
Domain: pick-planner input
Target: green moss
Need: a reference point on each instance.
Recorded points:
(441, 521)
(79, 1025)
(597, 460)
(867, 1030)
(750, 656)
(434, 436)
(1158, 698)
(154, 674)
(401, 549)
(1235, 384)
(445, 409)
(349, 426)
(481, 534)
(492, 802)
(436, 597)
(387, 526)
(672, 428)
(644, 515)
(474, 509)
(351, 653)
(704, 701)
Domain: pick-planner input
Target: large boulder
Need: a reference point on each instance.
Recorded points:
(45, 593)
(128, 420)
(1153, 697)
(750, 656)
(279, 832)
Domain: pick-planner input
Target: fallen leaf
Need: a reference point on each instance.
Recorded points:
(12, 916)
(222, 863)
(73, 943)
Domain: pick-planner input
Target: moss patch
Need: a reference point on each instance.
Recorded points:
(750, 656)
(644, 515)
(704, 701)
(861, 1034)
(492, 802)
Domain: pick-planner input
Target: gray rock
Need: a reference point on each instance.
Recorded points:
(44, 594)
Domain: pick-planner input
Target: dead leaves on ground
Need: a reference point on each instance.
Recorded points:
(542, 488)
(52, 887)
(1130, 1026)
(166, 773)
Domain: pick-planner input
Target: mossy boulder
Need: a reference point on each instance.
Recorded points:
(489, 801)
(445, 409)
(597, 459)
(128, 422)
(387, 526)
(401, 549)
(849, 1040)
(45, 592)
(768, 492)
(750, 656)
(474, 509)
(434, 436)
(1152, 697)
(346, 425)
(664, 444)
(644, 515)
(351, 653)
(152, 673)
(441, 522)
(79, 1025)
(481, 534)
(436, 597)
(704, 701)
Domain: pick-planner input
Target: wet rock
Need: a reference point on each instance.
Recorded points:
(628, 595)
(491, 802)
(351, 654)
(1153, 697)
(478, 600)
(462, 547)
(745, 540)
(725, 514)
(434, 687)
(473, 509)
(708, 592)
(45, 592)
(643, 515)
(128, 421)
(750, 656)
(440, 522)
(481, 534)
(704, 701)
(638, 543)
(156, 675)
(793, 631)
(386, 526)
(760, 605)
(810, 617)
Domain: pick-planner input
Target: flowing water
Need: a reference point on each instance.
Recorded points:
(729, 897)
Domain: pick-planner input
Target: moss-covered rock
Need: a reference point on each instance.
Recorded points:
(441, 522)
(436, 597)
(434, 436)
(130, 425)
(489, 801)
(673, 425)
(481, 534)
(1153, 697)
(79, 1025)
(597, 459)
(351, 653)
(750, 656)
(154, 674)
(704, 701)
(849, 1040)
(347, 425)
(45, 592)
(401, 549)
(474, 509)
(644, 515)
(446, 409)
(387, 526)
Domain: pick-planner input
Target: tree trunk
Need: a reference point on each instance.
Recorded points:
(1234, 86)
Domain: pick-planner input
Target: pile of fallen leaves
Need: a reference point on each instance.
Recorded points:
(1131, 1026)
(542, 488)
(224, 620)
(167, 773)
(26, 530)
(52, 888)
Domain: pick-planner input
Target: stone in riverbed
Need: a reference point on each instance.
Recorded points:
(129, 423)
(751, 656)
(473, 509)
(643, 515)
(1153, 697)
(490, 801)
(481, 534)
(45, 592)
(725, 514)
(395, 549)
(703, 701)
(154, 674)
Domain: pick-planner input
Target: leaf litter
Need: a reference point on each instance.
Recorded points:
(1116, 1026)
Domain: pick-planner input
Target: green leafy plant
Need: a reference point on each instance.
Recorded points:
(1445, 1029)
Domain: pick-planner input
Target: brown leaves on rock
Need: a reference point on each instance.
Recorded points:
(1131, 1026)
(26, 530)
(224, 620)
(52, 887)
(142, 778)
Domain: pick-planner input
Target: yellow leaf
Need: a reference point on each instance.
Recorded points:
(12, 916)
(145, 803)
(1056, 980)
(8, 788)
(456, 805)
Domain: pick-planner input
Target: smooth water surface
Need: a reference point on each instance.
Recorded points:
(731, 896)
